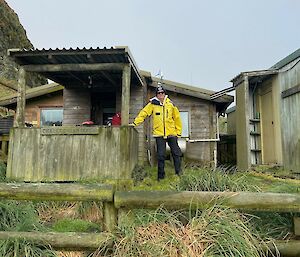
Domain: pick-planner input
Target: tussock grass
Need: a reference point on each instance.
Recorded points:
(24, 248)
(71, 254)
(214, 180)
(21, 216)
(214, 232)
(18, 216)
(51, 212)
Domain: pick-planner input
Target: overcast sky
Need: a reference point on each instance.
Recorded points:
(196, 42)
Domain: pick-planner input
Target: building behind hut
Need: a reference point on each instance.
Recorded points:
(267, 115)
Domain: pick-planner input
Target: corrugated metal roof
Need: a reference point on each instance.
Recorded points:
(56, 56)
(71, 55)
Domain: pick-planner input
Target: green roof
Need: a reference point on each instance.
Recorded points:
(293, 56)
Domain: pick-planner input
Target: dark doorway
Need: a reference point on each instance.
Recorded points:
(103, 107)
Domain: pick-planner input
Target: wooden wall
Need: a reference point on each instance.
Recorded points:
(33, 107)
(242, 126)
(137, 102)
(202, 119)
(290, 115)
(72, 153)
(77, 106)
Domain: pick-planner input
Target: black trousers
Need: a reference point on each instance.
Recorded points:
(161, 152)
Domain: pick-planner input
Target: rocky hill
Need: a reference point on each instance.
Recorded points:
(12, 35)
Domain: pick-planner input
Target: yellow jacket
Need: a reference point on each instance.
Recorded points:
(166, 117)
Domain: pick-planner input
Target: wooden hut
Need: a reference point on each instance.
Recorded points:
(97, 84)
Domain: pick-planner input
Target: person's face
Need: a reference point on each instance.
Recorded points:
(161, 96)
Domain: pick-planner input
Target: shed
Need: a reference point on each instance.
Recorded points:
(268, 115)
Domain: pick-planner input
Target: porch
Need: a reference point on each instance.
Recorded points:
(97, 84)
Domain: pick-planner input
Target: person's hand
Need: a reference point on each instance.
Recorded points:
(131, 125)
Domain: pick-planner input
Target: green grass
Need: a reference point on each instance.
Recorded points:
(24, 248)
(75, 225)
(21, 216)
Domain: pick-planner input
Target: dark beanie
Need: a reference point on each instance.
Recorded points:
(160, 89)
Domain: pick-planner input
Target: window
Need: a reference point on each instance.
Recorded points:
(51, 117)
(185, 124)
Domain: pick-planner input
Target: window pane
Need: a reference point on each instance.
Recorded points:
(51, 117)
(185, 124)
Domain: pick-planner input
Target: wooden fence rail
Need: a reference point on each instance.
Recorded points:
(57, 191)
(273, 202)
(70, 241)
(113, 201)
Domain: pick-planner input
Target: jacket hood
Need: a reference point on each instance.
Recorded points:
(155, 100)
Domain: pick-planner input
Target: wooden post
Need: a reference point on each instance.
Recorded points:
(125, 94)
(20, 113)
(110, 217)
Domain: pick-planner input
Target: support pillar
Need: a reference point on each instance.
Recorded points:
(19, 121)
(125, 94)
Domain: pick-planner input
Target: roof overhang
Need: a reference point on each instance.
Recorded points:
(222, 102)
(31, 93)
(257, 76)
(93, 67)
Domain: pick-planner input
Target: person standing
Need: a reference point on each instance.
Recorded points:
(166, 128)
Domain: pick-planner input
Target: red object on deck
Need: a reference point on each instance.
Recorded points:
(88, 122)
(116, 119)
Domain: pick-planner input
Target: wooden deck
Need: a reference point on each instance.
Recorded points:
(72, 153)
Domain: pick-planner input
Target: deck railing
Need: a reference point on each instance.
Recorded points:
(71, 153)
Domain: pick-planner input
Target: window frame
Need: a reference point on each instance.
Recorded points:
(42, 108)
(188, 123)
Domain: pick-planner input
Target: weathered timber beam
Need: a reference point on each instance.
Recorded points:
(74, 67)
(200, 200)
(290, 91)
(125, 101)
(20, 112)
(56, 192)
(290, 248)
(66, 241)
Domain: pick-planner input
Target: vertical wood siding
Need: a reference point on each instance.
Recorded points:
(136, 104)
(77, 106)
(290, 118)
(111, 153)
